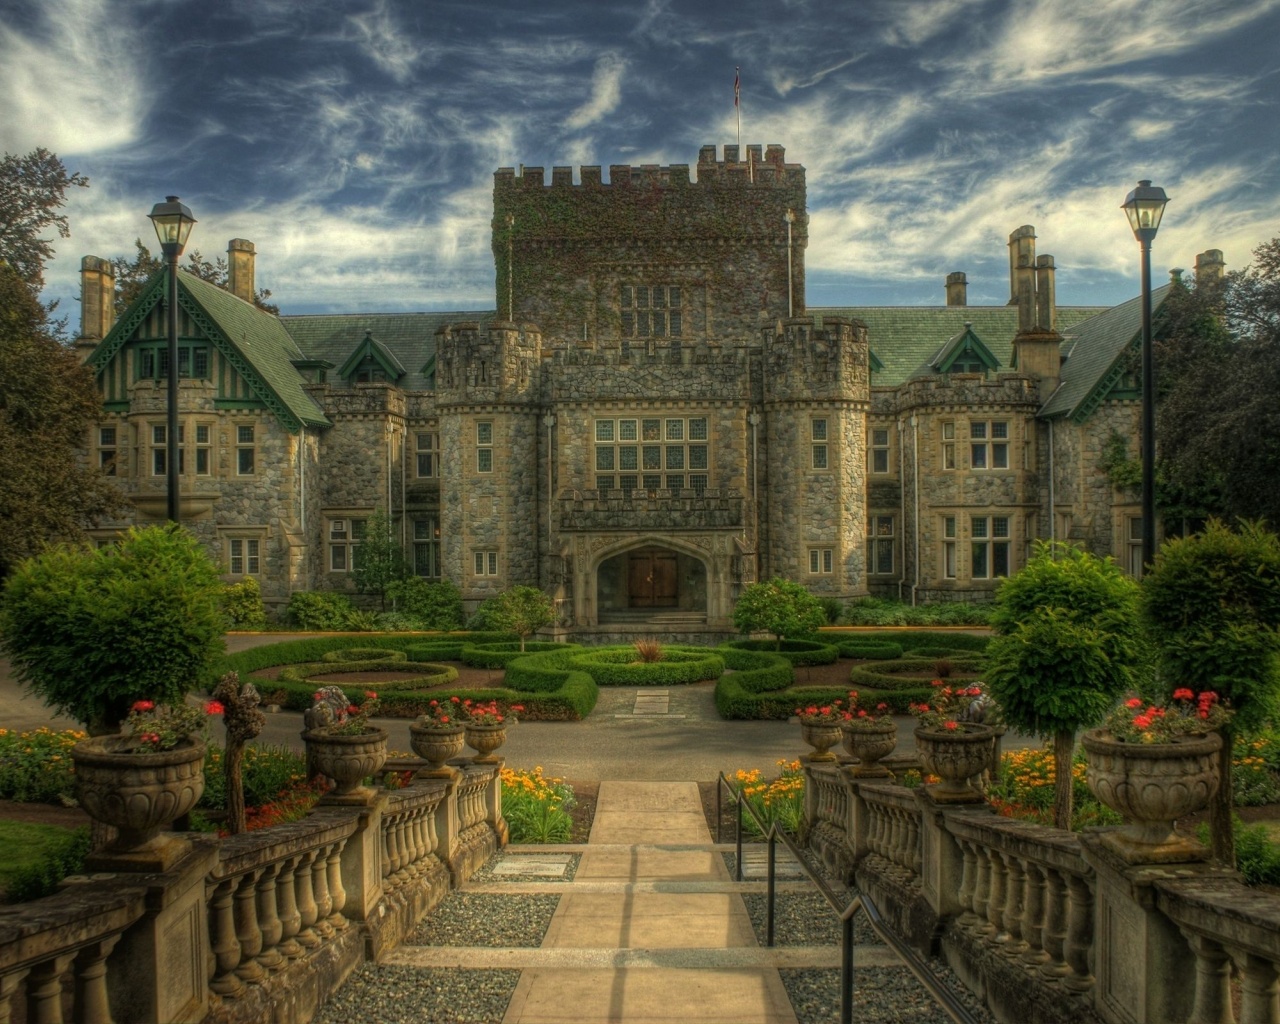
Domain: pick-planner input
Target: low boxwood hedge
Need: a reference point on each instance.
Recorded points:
(364, 654)
(563, 695)
(617, 666)
(887, 675)
(427, 675)
(934, 639)
(753, 689)
(870, 650)
(797, 652)
(500, 655)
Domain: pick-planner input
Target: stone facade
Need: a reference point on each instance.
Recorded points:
(660, 424)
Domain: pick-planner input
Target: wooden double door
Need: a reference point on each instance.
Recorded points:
(652, 580)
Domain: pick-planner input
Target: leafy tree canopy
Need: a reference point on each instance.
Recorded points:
(48, 403)
(133, 275)
(379, 559)
(91, 630)
(33, 188)
(521, 610)
(780, 607)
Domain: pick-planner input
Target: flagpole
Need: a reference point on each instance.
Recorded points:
(737, 104)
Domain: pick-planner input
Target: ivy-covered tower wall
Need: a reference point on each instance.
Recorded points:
(817, 398)
(594, 262)
(487, 398)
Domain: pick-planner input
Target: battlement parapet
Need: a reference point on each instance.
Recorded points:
(752, 168)
(810, 359)
(969, 390)
(496, 361)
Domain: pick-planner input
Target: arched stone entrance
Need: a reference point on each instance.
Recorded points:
(650, 580)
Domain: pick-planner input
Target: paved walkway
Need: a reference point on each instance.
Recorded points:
(650, 931)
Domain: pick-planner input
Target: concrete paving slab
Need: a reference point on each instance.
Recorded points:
(652, 996)
(650, 921)
(528, 958)
(537, 866)
(629, 827)
(651, 864)
(662, 797)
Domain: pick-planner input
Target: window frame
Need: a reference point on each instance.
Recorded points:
(650, 311)
(877, 540)
(879, 452)
(108, 451)
(989, 447)
(674, 451)
(484, 562)
(249, 447)
(821, 561)
(353, 532)
(426, 548)
(484, 446)
(428, 455)
(992, 546)
(249, 556)
(819, 453)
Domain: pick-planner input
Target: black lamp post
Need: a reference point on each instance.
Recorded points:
(173, 223)
(1144, 207)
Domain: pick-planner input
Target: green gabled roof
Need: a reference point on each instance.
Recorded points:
(964, 343)
(409, 338)
(905, 338)
(1096, 357)
(254, 341)
(370, 346)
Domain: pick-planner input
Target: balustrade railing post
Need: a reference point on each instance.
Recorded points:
(248, 934)
(1054, 935)
(225, 944)
(44, 990)
(304, 880)
(92, 1003)
(1013, 894)
(1079, 934)
(8, 986)
(287, 901)
(1213, 980)
(269, 918)
(320, 887)
(360, 859)
(1259, 984)
(1033, 914)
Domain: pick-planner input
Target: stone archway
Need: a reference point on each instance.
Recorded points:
(650, 579)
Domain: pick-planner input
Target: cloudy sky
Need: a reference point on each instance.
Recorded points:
(354, 141)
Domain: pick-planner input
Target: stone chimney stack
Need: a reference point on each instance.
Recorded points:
(1022, 275)
(957, 289)
(240, 254)
(1210, 266)
(1046, 295)
(97, 303)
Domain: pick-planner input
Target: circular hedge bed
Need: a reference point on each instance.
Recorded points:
(917, 672)
(418, 675)
(620, 666)
(798, 652)
(363, 654)
(870, 650)
(500, 655)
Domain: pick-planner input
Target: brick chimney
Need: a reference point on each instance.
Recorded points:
(1046, 295)
(240, 254)
(97, 303)
(1210, 266)
(957, 289)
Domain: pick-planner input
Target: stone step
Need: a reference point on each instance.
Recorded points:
(524, 958)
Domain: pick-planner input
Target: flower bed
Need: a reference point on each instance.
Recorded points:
(619, 666)
(536, 808)
(780, 799)
(906, 681)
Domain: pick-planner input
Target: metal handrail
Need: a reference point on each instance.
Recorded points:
(943, 996)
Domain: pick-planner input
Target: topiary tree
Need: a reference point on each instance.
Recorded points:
(1067, 645)
(1212, 605)
(780, 607)
(521, 610)
(91, 631)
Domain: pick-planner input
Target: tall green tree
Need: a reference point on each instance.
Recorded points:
(1212, 604)
(33, 188)
(1217, 370)
(132, 276)
(779, 607)
(48, 404)
(379, 559)
(1067, 645)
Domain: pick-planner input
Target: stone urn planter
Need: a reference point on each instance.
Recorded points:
(436, 747)
(956, 756)
(1152, 785)
(484, 740)
(822, 736)
(869, 742)
(348, 759)
(139, 793)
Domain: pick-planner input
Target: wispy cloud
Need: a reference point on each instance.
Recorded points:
(606, 92)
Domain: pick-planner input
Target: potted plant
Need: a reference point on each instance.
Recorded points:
(950, 747)
(869, 735)
(343, 744)
(1154, 763)
(438, 736)
(486, 727)
(143, 779)
(820, 728)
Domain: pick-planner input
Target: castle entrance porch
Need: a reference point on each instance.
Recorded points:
(644, 582)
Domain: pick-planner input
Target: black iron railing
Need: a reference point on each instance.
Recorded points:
(943, 996)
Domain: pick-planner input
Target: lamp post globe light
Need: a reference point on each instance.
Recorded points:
(173, 223)
(1144, 207)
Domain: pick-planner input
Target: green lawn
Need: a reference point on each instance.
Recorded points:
(24, 845)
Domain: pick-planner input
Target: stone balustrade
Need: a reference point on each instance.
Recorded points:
(260, 926)
(1048, 925)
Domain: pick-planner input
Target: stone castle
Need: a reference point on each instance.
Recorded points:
(649, 420)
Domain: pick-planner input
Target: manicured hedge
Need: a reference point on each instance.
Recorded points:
(933, 639)
(563, 695)
(754, 688)
(877, 650)
(617, 666)
(364, 654)
(797, 652)
(887, 675)
(500, 655)
(429, 675)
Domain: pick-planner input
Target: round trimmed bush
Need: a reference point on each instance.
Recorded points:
(904, 673)
(619, 666)
(363, 654)
(798, 652)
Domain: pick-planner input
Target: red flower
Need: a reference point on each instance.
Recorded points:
(369, 694)
(214, 707)
(937, 682)
(444, 718)
(1183, 694)
(352, 709)
(824, 711)
(1142, 721)
(143, 705)
(862, 713)
(517, 707)
(435, 703)
(317, 695)
(882, 706)
(1133, 702)
(950, 725)
(456, 700)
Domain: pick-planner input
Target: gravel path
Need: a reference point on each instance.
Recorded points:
(377, 994)
(487, 919)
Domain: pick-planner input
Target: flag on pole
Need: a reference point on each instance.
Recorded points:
(736, 86)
